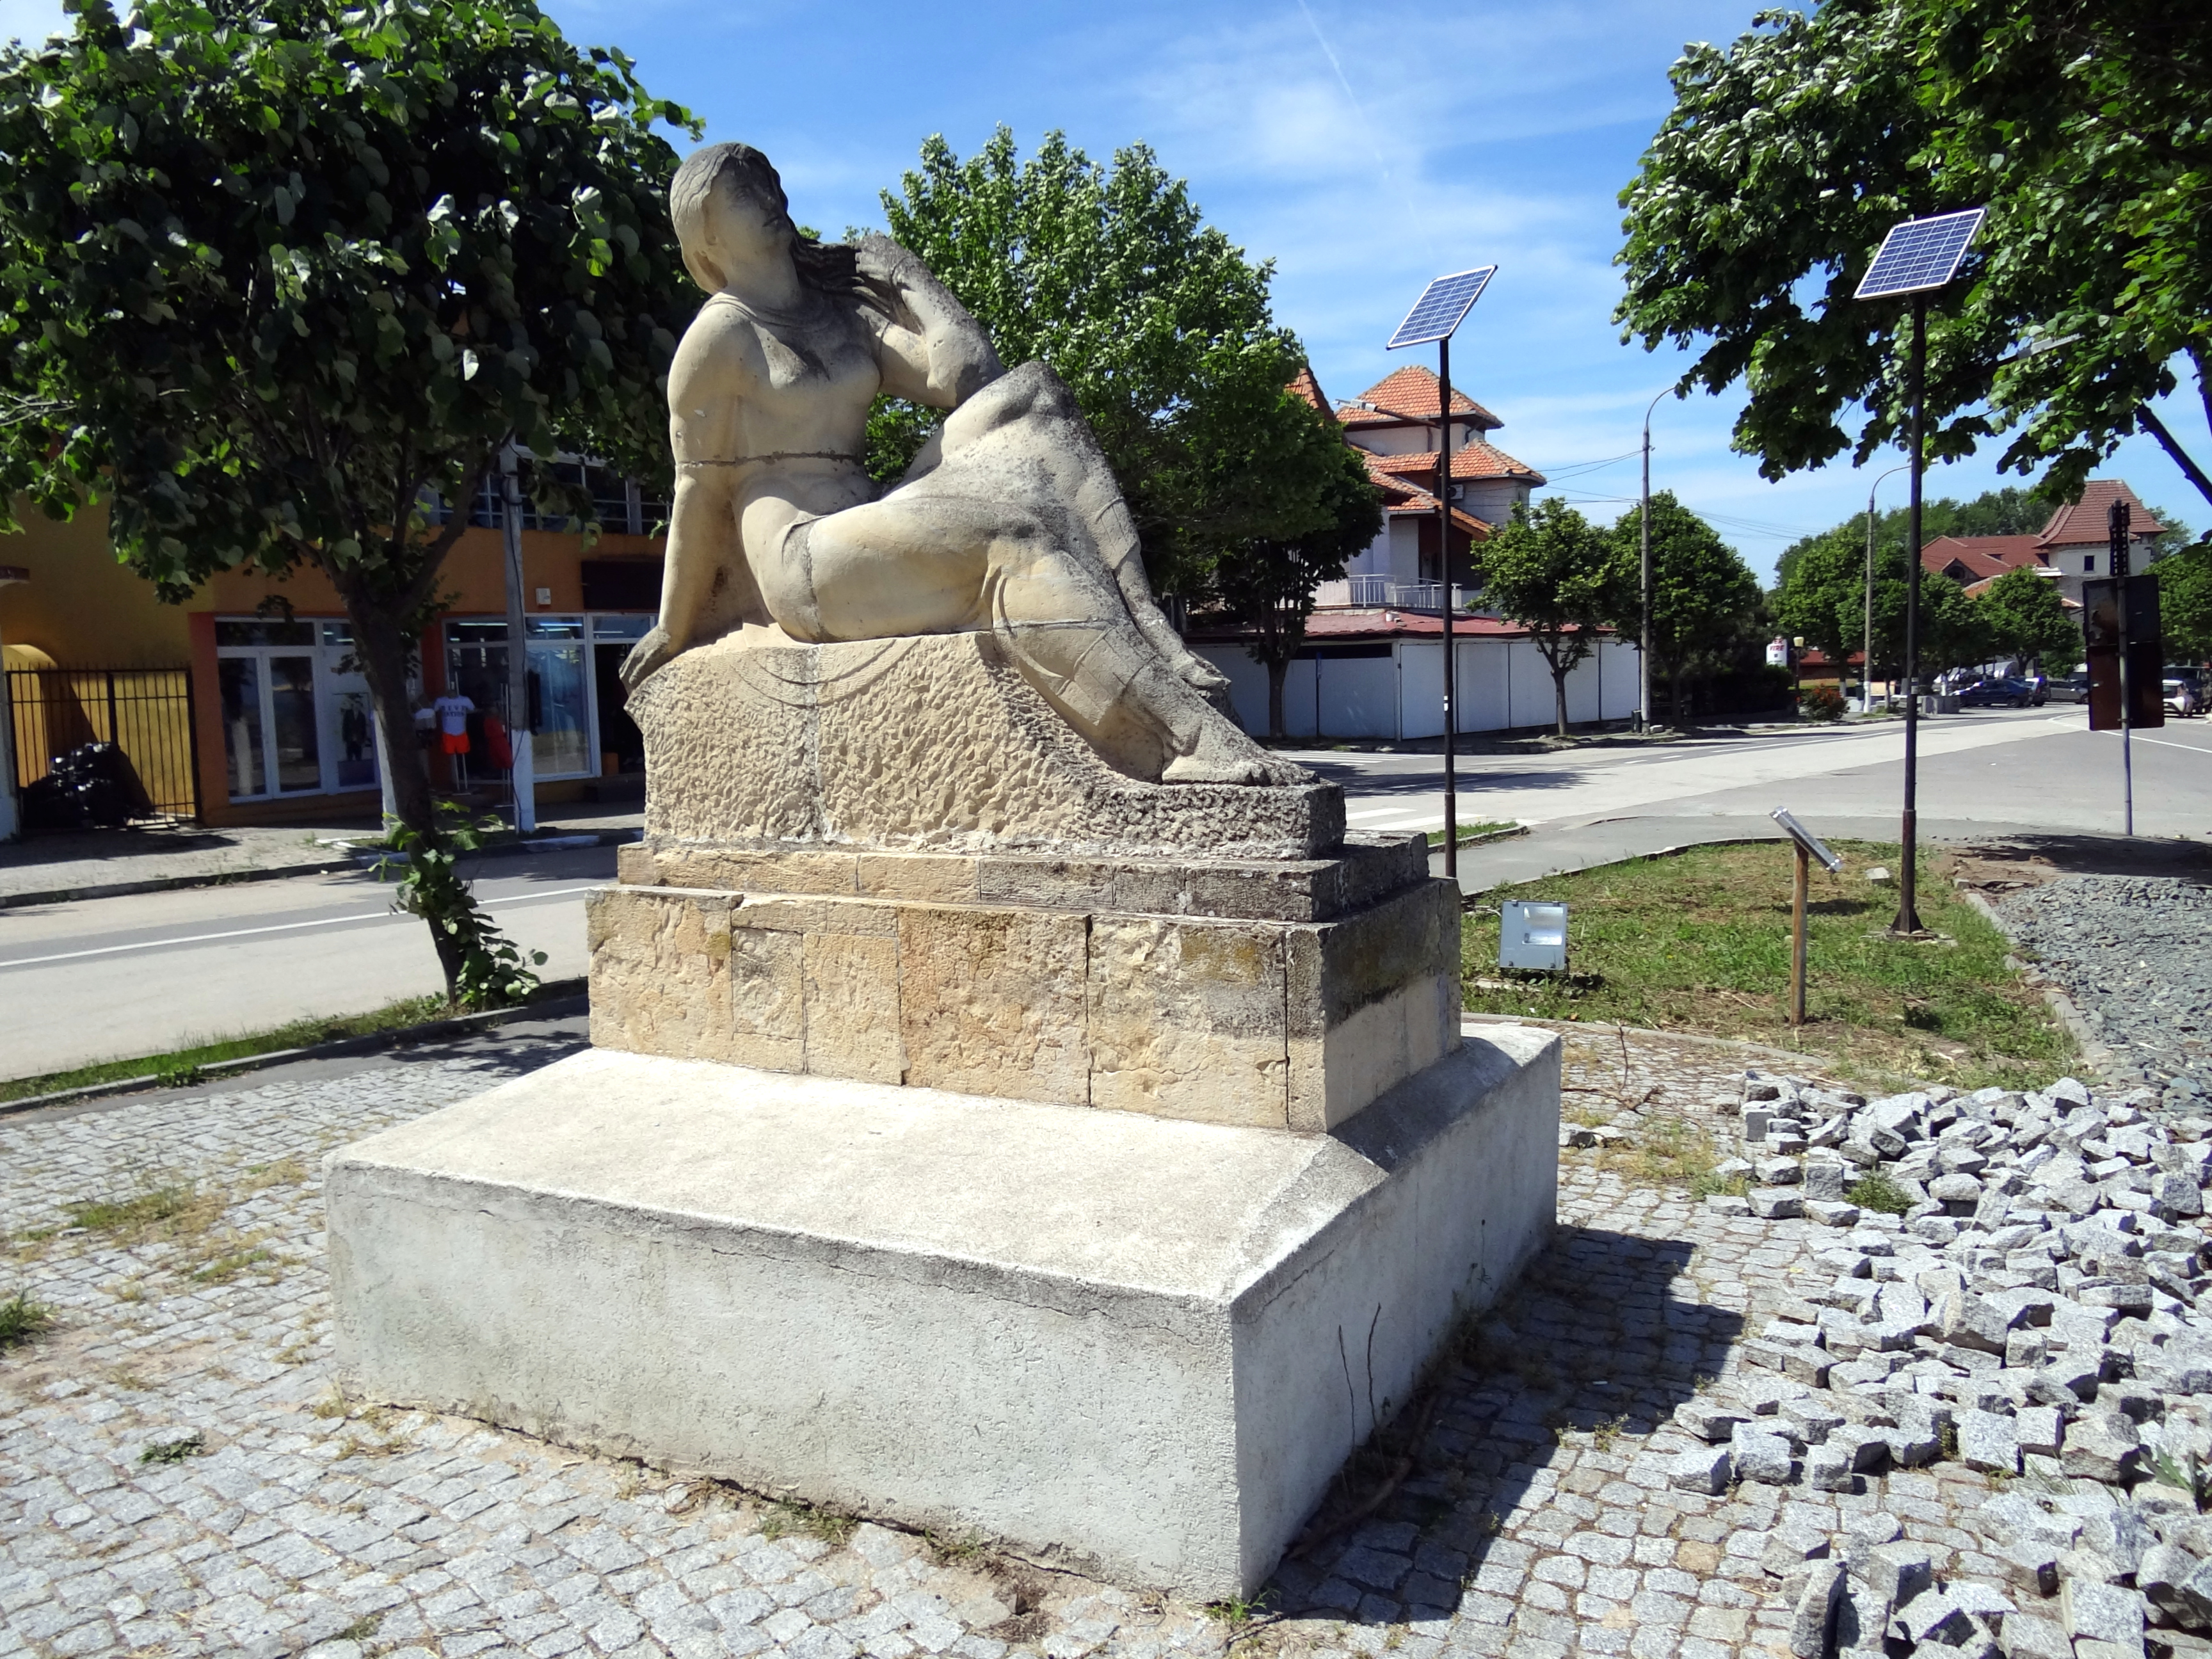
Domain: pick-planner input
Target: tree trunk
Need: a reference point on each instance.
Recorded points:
(1278, 671)
(1560, 695)
(382, 650)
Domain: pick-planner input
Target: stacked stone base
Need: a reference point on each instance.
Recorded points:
(1283, 995)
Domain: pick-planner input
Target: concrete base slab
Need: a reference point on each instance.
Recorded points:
(1104, 1338)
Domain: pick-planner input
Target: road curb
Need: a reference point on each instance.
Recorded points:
(573, 1000)
(345, 861)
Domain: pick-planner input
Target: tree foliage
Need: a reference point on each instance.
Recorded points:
(2086, 127)
(1823, 601)
(1563, 579)
(273, 277)
(1157, 323)
(1705, 600)
(1268, 585)
(2024, 618)
(2184, 603)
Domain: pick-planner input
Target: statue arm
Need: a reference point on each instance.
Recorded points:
(930, 350)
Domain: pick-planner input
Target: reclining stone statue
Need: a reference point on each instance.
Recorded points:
(1009, 520)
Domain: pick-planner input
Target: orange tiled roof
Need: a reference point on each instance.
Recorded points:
(1410, 394)
(1981, 556)
(1403, 497)
(2083, 522)
(1307, 389)
(1479, 460)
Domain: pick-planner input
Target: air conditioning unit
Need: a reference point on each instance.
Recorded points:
(1457, 492)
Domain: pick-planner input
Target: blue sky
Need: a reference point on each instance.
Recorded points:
(1363, 148)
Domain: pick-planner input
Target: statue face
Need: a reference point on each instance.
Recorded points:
(743, 226)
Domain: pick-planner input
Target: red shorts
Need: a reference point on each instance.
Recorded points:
(452, 743)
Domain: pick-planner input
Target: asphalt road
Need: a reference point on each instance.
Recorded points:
(2040, 767)
(110, 978)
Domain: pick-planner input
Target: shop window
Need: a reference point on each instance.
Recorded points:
(295, 720)
(243, 631)
(240, 680)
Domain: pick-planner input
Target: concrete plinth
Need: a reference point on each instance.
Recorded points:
(1100, 1337)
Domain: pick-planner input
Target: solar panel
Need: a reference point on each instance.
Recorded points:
(1443, 306)
(1920, 254)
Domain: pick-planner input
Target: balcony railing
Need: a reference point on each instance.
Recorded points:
(1379, 592)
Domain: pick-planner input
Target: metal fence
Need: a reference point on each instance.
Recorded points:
(147, 712)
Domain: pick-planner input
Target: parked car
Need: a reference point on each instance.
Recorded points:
(2072, 688)
(1995, 693)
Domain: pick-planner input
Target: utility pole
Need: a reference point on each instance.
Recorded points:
(520, 771)
(1644, 588)
(1866, 650)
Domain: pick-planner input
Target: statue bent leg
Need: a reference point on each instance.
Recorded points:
(936, 562)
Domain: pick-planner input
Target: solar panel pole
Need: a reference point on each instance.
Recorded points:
(1444, 541)
(1908, 912)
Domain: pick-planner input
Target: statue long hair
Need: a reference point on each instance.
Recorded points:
(825, 265)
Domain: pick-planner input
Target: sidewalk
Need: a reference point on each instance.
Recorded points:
(1562, 849)
(109, 863)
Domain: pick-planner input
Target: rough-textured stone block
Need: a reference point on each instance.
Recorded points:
(991, 1002)
(660, 973)
(934, 743)
(1187, 1019)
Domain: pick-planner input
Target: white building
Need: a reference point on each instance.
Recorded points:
(1372, 665)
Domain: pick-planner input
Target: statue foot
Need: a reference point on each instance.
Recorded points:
(1222, 754)
(646, 658)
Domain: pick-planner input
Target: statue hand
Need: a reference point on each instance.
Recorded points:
(646, 658)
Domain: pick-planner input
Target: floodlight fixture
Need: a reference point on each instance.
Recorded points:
(1436, 315)
(1917, 256)
(1920, 255)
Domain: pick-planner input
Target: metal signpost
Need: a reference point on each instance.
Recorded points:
(1436, 315)
(1916, 257)
(2120, 628)
(1644, 584)
(1809, 847)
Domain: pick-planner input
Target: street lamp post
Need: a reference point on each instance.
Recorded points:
(1644, 588)
(1917, 256)
(1866, 649)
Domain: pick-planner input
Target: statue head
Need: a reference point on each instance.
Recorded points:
(732, 189)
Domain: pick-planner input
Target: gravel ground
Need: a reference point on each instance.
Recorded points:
(2129, 951)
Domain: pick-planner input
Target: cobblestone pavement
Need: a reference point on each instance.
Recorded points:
(177, 1478)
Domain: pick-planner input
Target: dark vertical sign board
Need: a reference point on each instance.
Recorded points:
(2100, 627)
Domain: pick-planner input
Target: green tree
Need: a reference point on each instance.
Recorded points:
(1821, 597)
(1823, 600)
(1704, 596)
(2086, 126)
(1269, 585)
(2184, 603)
(2008, 512)
(1563, 579)
(1155, 320)
(2026, 618)
(275, 281)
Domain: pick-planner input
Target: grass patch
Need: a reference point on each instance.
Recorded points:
(789, 1515)
(1664, 1152)
(21, 1319)
(1472, 832)
(174, 1451)
(184, 1066)
(230, 1263)
(1700, 942)
(1876, 1191)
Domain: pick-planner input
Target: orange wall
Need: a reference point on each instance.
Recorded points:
(81, 607)
(474, 576)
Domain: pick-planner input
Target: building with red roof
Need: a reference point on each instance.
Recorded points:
(1372, 664)
(2072, 547)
